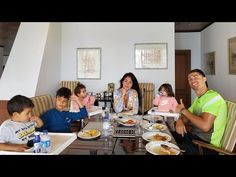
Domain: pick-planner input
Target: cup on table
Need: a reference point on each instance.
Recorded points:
(139, 128)
(107, 144)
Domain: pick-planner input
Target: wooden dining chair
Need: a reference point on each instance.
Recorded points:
(147, 95)
(229, 138)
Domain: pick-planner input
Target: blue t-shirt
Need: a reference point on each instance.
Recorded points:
(59, 121)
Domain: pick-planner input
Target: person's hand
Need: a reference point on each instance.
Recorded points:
(180, 127)
(34, 118)
(77, 100)
(123, 92)
(37, 120)
(73, 97)
(179, 106)
(20, 147)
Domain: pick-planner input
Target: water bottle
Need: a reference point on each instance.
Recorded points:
(105, 120)
(152, 116)
(37, 142)
(46, 142)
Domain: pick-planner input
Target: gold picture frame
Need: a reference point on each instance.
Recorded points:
(232, 55)
(151, 56)
(88, 63)
(209, 63)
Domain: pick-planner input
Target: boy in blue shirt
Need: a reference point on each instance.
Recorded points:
(59, 119)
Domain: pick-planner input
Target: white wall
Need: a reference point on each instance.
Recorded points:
(21, 72)
(117, 42)
(215, 38)
(1, 61)
(190, 41)
(5, 59)
(50, 72)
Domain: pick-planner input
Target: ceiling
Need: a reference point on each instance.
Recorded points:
(8, 32)
(191, 26)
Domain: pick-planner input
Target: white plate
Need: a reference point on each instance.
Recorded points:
(156, 127)
(153, 136)
(156, 149)
(127, 121)
(89, 134)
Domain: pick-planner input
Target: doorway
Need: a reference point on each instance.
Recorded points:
(182, 68)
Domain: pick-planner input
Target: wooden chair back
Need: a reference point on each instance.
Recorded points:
(229, 137)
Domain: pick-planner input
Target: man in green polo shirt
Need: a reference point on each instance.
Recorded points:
(207, 116)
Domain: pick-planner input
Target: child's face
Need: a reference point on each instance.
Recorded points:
(24, 116)
(61, 103)
(82, 93)
(163, 92)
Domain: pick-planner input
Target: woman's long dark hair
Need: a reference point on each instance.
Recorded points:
(135, 85)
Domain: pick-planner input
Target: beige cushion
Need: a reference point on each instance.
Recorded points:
(147, 92)
(69, 84)
(229, 138)
(41, 104)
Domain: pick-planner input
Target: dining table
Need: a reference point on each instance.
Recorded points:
(114, 144)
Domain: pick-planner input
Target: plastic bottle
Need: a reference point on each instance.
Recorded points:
(153, 119)
(105, 120)
(159, 93)
(46, 142)
(37, 142)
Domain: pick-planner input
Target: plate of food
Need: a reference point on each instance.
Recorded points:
(127, 121)
(156, 136)
(162, 148)
(156, 127)
(89, 134)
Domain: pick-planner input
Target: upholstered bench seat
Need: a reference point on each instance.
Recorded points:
(42, 103)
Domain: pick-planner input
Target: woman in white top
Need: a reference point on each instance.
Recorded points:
(127, 97)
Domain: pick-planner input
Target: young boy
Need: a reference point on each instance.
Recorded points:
(59, 119)
(17, 131)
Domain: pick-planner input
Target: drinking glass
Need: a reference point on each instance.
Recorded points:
(93, 151)
(139, 128)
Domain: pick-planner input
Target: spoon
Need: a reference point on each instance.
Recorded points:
(168, 148)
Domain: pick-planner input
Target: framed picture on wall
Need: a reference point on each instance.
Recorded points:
(232, 55)
(151, 56)
(88, 63)
(209, 63)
